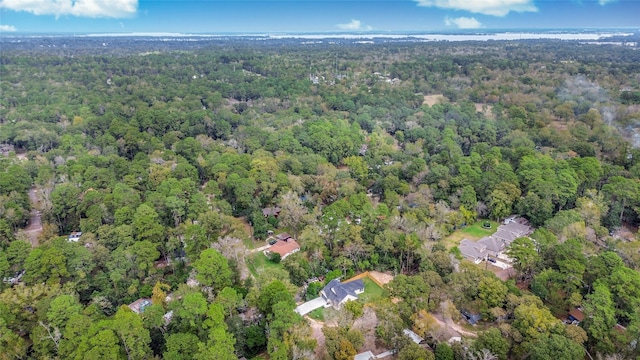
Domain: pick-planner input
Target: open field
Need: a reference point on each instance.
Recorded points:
(471, 232)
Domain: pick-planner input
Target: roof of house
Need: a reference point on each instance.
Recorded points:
(493, 243)
(336, 291)
(273, 211)
(516, 228)
(283, 236)
(139, 305)
(577, 314)
(413, 336)
(284, 247)
(367, 355)
(472, 249)
(504, 234)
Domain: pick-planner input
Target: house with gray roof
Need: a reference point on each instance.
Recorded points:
(494, 245)
(473, 251)
(336, 293)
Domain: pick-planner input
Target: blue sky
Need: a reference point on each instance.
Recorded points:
(251, 16)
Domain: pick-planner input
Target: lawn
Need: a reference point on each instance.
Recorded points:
(317, 314)
(471, 232)
(252, 244)
(372, 292)
(258, 261)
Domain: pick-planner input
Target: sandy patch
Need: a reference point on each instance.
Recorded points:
(433, 99)
(381, 277)
(367, 325)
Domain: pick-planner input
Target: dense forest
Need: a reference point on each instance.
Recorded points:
(180, 165)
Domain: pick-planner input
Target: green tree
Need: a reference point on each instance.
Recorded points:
(493, 341)
(146, 225)
(556, 347)
(523, 251)
(181, 346)
(133, 336)
(213, 270)
(492, 291)
(443, 352)
(413, 351)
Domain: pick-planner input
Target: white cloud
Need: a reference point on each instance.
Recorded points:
(83, 8)
(605, 2)
(463, 22)
(353, 25)
(7, 28)
(486, 7)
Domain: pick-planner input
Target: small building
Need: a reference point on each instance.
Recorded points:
(336, 293)
(271, 211)
(139, 305)
(367, 355)
(471, 317)
(284, 248)
(283, 236)
(576, 316)
(413, 336)
(75, 236)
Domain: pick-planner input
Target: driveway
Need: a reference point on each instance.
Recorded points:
(310, 305)
(501, 265)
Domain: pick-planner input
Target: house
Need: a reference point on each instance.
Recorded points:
(576, 316)
(336, 293)
(473, 251)
(271, 211)
(284, 248)
(139, 305)
(75, 236)
(493, 245)
(283, 236)
(471, 317)
(516, 228)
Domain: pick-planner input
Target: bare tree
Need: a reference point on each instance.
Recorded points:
(292, 212)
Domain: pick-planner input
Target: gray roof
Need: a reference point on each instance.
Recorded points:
(414, 337)
(505, 235)
(516, 228)
(493, 243)
(472, 249)
(335, 291)
(367, 355)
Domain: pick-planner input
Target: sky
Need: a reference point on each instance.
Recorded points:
(277, 16)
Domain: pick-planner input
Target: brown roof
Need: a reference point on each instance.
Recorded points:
(577, 314)
(283, 236)
(284, 247)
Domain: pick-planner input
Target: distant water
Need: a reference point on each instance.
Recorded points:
(485, 35)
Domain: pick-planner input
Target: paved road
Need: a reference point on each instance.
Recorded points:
(34, 229)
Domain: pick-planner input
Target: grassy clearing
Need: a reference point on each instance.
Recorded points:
(472, 232)
(258, 261)
(372, 292)
(252, 244)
